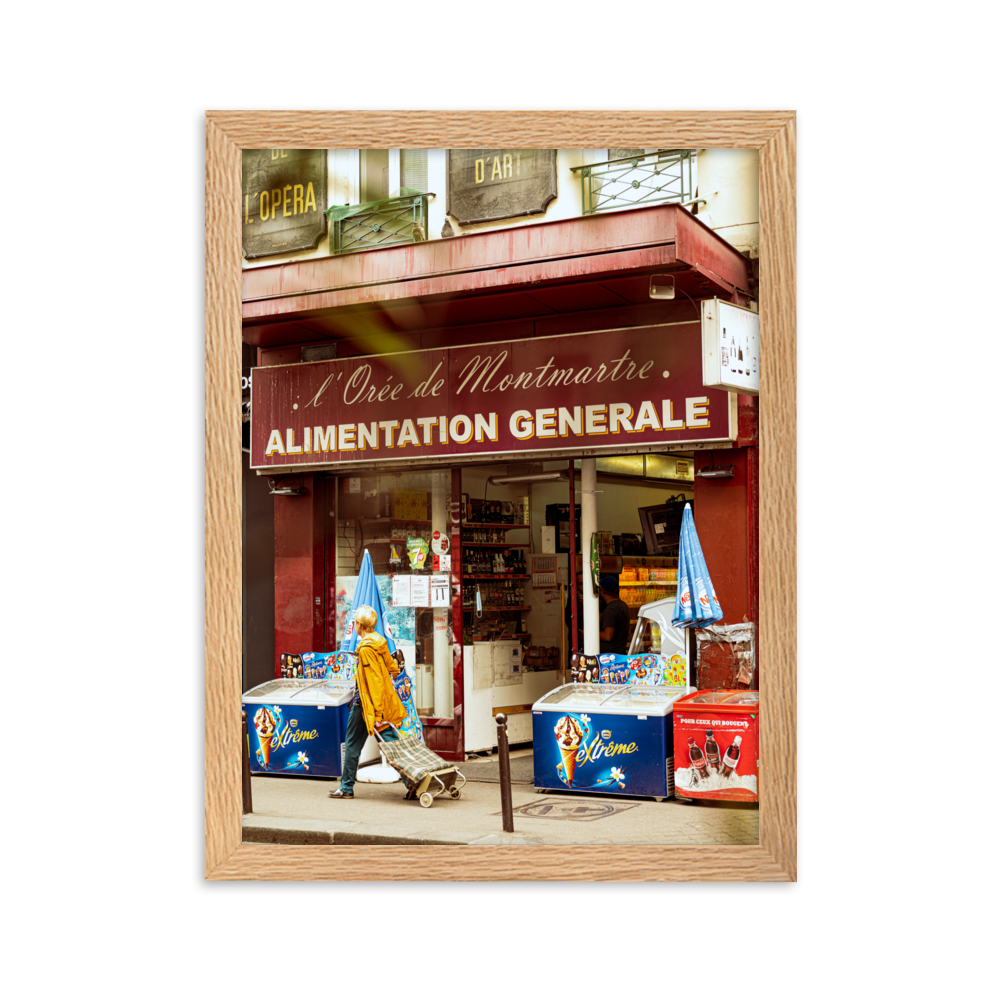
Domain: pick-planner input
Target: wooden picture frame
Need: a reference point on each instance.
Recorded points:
(227, 133)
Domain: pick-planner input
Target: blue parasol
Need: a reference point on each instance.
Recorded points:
(367, 594)
(696, 605)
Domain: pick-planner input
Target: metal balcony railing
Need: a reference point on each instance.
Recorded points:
(375, 224)
(664, 175)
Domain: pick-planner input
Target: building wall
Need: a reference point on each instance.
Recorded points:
(727, 178)
(258, 579)
(299, 600)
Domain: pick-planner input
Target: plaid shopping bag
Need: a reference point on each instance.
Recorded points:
(413, 759)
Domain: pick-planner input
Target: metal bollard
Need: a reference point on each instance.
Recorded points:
(247, 801)
(504, 754)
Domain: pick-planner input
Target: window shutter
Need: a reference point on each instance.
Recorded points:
(413, 169)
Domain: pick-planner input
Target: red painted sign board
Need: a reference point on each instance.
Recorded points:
(612, 391)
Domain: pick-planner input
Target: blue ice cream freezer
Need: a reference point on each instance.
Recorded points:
(606, 739)
(298, 726)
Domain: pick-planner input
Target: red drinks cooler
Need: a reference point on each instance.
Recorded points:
(730, 719)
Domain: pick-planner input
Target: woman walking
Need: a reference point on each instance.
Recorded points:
(375, 704)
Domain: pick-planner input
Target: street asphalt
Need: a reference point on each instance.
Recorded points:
(298, 810)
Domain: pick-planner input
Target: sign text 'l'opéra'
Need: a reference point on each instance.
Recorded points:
(284, 198)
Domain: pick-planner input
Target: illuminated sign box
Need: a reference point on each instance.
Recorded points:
(730, 346)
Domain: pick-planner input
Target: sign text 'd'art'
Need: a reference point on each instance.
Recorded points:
(489, 184)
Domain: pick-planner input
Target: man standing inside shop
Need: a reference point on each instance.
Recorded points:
(614, 617)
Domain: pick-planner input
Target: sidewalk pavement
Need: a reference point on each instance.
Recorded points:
(297, 810)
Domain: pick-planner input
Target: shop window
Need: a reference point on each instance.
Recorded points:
(402, 519)
(391, 210)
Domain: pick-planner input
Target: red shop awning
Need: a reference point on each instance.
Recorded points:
(539, 271)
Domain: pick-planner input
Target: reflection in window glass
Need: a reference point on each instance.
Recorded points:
(647, 638)
(394, 516)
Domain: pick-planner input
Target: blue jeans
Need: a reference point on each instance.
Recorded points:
(354, 742)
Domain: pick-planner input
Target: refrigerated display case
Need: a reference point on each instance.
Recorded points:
(659, 648)
(298, 726)
(606, 739)
(496, 681)
(716, 745)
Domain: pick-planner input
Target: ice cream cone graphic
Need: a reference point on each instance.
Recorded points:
(569, 761)
(569, 736)
(263, 722)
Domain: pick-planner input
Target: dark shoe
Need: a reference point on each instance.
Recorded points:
(341, 794)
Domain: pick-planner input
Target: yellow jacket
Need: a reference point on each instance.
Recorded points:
(376, 668)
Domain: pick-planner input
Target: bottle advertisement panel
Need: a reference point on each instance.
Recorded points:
(617, 754)
(715, 754)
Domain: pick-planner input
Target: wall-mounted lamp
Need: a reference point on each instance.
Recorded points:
(717, 472)
(277, 490)
(659, 287)
(714, 471)
(538, 477)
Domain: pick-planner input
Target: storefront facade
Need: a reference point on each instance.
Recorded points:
(489, 367)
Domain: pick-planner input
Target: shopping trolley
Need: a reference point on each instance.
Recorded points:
(426, 774)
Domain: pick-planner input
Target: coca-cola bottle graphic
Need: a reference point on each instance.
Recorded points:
(697, 758)
(711, 750)
(732, 757)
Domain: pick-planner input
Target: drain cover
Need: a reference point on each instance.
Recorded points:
(574, 812)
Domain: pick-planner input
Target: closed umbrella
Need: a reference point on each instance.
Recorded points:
(702, 591)
(696, 605)
(367, 594)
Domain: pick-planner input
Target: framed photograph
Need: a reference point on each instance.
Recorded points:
(227, 134)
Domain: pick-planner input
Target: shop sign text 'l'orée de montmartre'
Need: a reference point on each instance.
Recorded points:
(614, 390)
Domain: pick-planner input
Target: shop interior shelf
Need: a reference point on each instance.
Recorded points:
(493, 545)
(496, 576)
(648, 583)
(492, 524)
(392, 520)
(498, 634)
(506, 607)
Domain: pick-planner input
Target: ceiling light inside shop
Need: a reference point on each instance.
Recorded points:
(537, 477)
